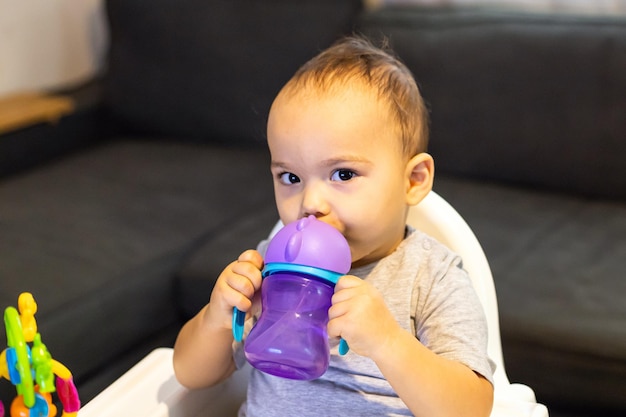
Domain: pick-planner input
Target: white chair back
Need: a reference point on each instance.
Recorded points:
(437, 218)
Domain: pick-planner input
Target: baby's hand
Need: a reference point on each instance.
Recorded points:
(360, 316)
(236, 287)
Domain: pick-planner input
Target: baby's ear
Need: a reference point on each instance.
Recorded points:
(419, 174)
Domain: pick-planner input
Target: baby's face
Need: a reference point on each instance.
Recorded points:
(338, 157)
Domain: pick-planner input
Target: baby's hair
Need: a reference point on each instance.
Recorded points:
(355, 58)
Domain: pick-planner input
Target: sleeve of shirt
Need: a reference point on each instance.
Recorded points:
(450, 320)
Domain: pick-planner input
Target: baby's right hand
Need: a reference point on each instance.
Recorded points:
(236, 287)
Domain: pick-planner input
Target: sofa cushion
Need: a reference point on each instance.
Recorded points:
(534, 99)
(210, 69)
(97, 237)
(558, 266)
(200, 270)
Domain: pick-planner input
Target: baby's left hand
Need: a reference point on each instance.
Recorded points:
(360, 316)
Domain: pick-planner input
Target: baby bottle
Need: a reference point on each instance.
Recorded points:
(303, 262)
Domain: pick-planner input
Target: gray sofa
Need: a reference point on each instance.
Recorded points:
(119, 217)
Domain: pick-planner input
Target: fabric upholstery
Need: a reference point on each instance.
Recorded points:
(500, 93)
(209, 70)
(202, 267)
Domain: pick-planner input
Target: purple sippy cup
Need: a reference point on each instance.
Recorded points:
(303, 262)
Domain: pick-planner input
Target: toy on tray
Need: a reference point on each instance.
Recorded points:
(31, 367)
(303, 262)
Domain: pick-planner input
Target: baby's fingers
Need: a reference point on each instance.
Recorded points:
(241, 285)
(253, 257)
(245, 278)
(239, 281)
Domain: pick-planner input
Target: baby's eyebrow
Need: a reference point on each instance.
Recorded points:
(330, 162)
(338, 160)
(278, 164)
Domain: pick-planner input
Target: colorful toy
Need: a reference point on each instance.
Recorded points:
(303, 262)
(31, 368)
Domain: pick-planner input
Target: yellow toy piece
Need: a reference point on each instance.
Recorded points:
(4, 369)
(27, 307)
(61, 370)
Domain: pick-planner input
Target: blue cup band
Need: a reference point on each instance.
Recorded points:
(324, 274)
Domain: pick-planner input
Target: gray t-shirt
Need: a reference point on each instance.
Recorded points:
(430, 295)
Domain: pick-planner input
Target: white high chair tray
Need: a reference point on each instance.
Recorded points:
(150, 389)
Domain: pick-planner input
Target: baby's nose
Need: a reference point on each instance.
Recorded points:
(314, 201)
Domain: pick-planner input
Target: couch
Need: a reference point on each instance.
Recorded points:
(119, 217)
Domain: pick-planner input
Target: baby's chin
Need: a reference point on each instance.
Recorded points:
(360, 261)
(365, 256)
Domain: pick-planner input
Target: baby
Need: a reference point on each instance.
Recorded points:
(347, 136)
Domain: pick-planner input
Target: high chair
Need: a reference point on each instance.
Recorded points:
(150, 388)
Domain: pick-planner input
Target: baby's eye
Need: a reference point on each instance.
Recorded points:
(288, 178)
(343, 175)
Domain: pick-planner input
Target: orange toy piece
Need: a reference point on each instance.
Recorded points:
(19, 409)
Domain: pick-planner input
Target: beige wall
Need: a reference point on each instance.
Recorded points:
(50, 44)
